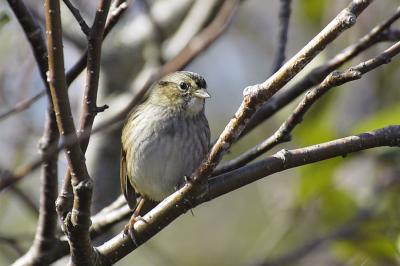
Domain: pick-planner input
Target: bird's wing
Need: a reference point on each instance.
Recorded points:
(126, 187)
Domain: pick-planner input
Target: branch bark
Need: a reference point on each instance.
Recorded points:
(121, 245)
(283, 134)
(75, 70)
(8, 178)
(75, 12)
(173, 206)
(89, 105)
(284, 17)
(378, 34)
(78, 223)
(46, 228)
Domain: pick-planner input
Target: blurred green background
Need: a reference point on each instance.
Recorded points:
(276, 215)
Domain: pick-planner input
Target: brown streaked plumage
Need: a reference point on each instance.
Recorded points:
(165, 138)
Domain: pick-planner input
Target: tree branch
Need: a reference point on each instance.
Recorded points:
(284, 159)
(89, 104)
(8, 178)
(79, 222)
(120, 245)
(284, 17)
(173, 206)
(315, 76)
(75, 70)
(46, 227)
(283, 134)
(75, 12)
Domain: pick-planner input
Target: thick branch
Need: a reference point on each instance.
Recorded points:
(8, 178)
(284, 159)
(89, 105)
(256, 95)
(120, 245)
(75, 70)
(377, 34)
(283, 134)
(46, 227)
(81, 181)
(175, 205)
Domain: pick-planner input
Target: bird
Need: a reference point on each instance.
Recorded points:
(164, 140)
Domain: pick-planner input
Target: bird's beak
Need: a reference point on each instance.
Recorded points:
(202, 93)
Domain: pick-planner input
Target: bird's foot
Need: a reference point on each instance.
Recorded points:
(129, 229)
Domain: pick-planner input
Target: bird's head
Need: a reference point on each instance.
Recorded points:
(182, 90)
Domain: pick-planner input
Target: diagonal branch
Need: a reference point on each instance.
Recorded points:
(314, 77)
(75, 70)
(286, 159)
(120, 245)
(75, 12)
(8, 178)
(283, 134)
(175, 205)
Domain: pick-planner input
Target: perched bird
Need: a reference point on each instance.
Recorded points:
(164, 139)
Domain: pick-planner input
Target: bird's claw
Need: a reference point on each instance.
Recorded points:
(129, 227)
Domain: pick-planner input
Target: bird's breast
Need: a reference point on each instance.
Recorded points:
(163, 149)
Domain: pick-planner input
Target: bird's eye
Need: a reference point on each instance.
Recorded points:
(184, 86)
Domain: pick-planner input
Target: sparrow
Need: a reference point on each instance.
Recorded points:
(164, 140)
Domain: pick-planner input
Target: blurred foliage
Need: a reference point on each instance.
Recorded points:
(389, 115)
(279, 213)
(4, 18)
(311, 11)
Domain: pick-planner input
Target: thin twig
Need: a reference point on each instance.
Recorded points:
(283, 133)
(120, 245)
(75, 70)
(89, 104)
(175, 205)
(46, 227)
(75, 12)
(80, 244)
(8, 178)
(187, 55)
(284, 17)
(286, 159)
(22, 105)
(101, 222)
(316, 75)
(34, 35)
